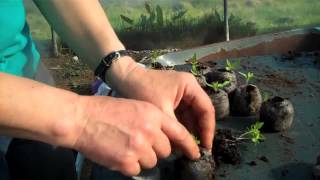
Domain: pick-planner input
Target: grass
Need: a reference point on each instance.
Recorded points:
(267, 15)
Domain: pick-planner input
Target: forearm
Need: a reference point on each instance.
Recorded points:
(32, 110)
(83, 25)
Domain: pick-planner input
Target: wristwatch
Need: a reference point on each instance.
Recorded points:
(106, 63)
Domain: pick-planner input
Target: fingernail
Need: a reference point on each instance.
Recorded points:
(198, 155)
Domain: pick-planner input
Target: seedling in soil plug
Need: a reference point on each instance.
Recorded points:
(194, 65)
(248, 76)
(201, 169)
(232, 66)
(216, 86)
(253, 133)
(154, 56)
(221, 75)
(219, 99)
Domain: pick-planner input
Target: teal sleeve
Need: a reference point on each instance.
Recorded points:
(18, 54)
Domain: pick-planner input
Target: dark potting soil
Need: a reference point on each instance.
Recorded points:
(263, 158)
(222, 75)
(202, 169)
(252, 163)
(201, 80)
(277, 114)
(226, 148)
(246, 100)
(225, 151)
(220, 100)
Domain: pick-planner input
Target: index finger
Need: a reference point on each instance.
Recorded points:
(181, 137)
(203, 108)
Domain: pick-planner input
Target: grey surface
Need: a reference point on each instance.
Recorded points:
(180, 57)
(292, 157)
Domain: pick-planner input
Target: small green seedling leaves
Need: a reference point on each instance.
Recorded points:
(253, 133)
(216, 86)
(265, 96)
(232, 66)
(248, 76)
(196, 139)
(154, 56)
(194, 65)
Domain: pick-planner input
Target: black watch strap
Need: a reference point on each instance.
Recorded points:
(106, 63)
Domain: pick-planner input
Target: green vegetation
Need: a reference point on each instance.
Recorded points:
(249, 76)
(253, 133)
(154, 56)
(216, 86)
(265, 96)
(232, 66)
(196, 139)
(193, 21)
(194, 65)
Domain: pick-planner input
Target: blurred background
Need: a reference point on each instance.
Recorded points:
(154, 24)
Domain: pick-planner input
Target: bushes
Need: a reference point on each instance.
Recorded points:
(161, 29)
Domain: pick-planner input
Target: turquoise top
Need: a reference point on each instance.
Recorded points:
(18, 54)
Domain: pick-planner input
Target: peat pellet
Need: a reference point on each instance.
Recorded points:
(277, 114)
(246, 100)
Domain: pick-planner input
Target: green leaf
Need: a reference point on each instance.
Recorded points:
(159, 16)
(258, 125)
(265, 96)
(147, 5)
(243, 74)
(126, 19)
(194, 59)
(178, 15)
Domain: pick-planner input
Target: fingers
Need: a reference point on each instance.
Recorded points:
(148, 159)
(179, 135)
(130, 169)
(202, 107)
(162, 146)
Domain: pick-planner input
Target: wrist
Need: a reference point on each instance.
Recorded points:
(67, 129)
(120, 70)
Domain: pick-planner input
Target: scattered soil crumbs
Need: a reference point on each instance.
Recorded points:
(252, 163)
(263, 158)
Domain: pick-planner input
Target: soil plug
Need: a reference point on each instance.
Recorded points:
(219, 99)
(246, 100)
(225, 74)
(221, 75)
(201, 169)
(197, 70)
(226, 148)
(277, 114)
(316, 170)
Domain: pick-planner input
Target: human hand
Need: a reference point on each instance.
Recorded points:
(178, 95)
(123, 135)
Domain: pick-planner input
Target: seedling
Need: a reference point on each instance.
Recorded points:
(194, 65)
(216, 86)
(248, 76)
(253, 133)
(232, 66)
(265, 96)
(196, 139)
(154, 56)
